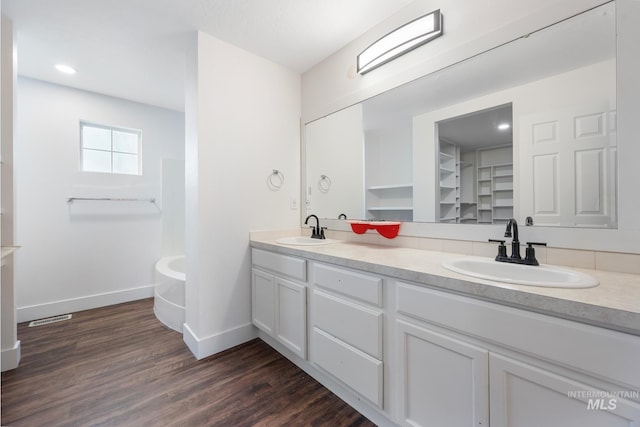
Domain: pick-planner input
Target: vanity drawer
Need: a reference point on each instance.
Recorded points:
(354, 324)
(357, 285)
(563, 342)
(356, 369)
(295, 268)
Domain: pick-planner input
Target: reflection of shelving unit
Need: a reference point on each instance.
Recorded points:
(484, 195)
(468, 199)
(495, 185)
(449, 170)
(468, 212)
(390, 202)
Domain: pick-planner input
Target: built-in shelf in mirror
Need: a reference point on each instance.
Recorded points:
(7, 250)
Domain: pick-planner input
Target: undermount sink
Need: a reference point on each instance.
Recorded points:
(304, 241)
(543, 275)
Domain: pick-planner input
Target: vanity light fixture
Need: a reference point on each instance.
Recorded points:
(504, 126)
(400, 41)
(65, 69)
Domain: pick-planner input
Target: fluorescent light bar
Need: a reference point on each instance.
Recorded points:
(504, 126)
(65, 69)
(400, 41)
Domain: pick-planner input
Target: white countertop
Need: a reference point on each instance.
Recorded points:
(614, 304)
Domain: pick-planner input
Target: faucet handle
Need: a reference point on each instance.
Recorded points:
(502, 249)
(322, 232)
(530, 257)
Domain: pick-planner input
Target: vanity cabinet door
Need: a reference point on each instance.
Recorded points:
(442, 381)
(291, 315)
(526, 396)
(263, 301)
(279, 308)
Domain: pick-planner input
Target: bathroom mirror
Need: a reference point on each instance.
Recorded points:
(414, 153)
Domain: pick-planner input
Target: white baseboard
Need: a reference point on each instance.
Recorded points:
(55, 308)
(11, 357)
(208, 346)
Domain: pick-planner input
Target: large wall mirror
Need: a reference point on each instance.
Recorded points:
(527, 129)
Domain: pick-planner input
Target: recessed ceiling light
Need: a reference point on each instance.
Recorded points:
(65, 69)
(504, 126)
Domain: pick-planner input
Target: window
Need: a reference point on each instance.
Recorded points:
(109, 149)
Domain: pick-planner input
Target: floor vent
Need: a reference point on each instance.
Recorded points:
(50, 320)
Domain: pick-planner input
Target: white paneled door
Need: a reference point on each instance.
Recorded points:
(568, 166)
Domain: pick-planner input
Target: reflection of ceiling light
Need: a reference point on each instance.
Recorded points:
(65, 69)
(504, 126)
(400, 41)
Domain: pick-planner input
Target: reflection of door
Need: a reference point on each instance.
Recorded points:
(568, 166)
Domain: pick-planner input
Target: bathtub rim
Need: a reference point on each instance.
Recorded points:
(162, 267)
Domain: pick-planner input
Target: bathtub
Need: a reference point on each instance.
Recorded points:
(168, 302)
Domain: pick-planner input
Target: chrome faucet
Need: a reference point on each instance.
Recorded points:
(512, 230)
(317, 231)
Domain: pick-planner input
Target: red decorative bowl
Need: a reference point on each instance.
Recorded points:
(359, 227)
(388, 229)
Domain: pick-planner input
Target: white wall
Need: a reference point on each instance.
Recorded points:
(471, 27)
(332, 143)
(242, 116)
(86, 254)
(173, 208)
(388, 160)
(9, 336)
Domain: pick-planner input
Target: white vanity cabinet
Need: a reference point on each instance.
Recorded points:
(466, 362)
(347, 328)
(412, 354)
(279, 298)
(444, 381)
(524, 395)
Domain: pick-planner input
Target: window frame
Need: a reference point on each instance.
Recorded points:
(111, 151)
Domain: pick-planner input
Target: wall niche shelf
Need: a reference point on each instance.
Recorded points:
(388, 180)
(390, 187)
(392, 201)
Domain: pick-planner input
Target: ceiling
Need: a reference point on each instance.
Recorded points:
(479, 129)
(134, 49)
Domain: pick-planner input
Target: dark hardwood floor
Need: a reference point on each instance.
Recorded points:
(119, 366)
